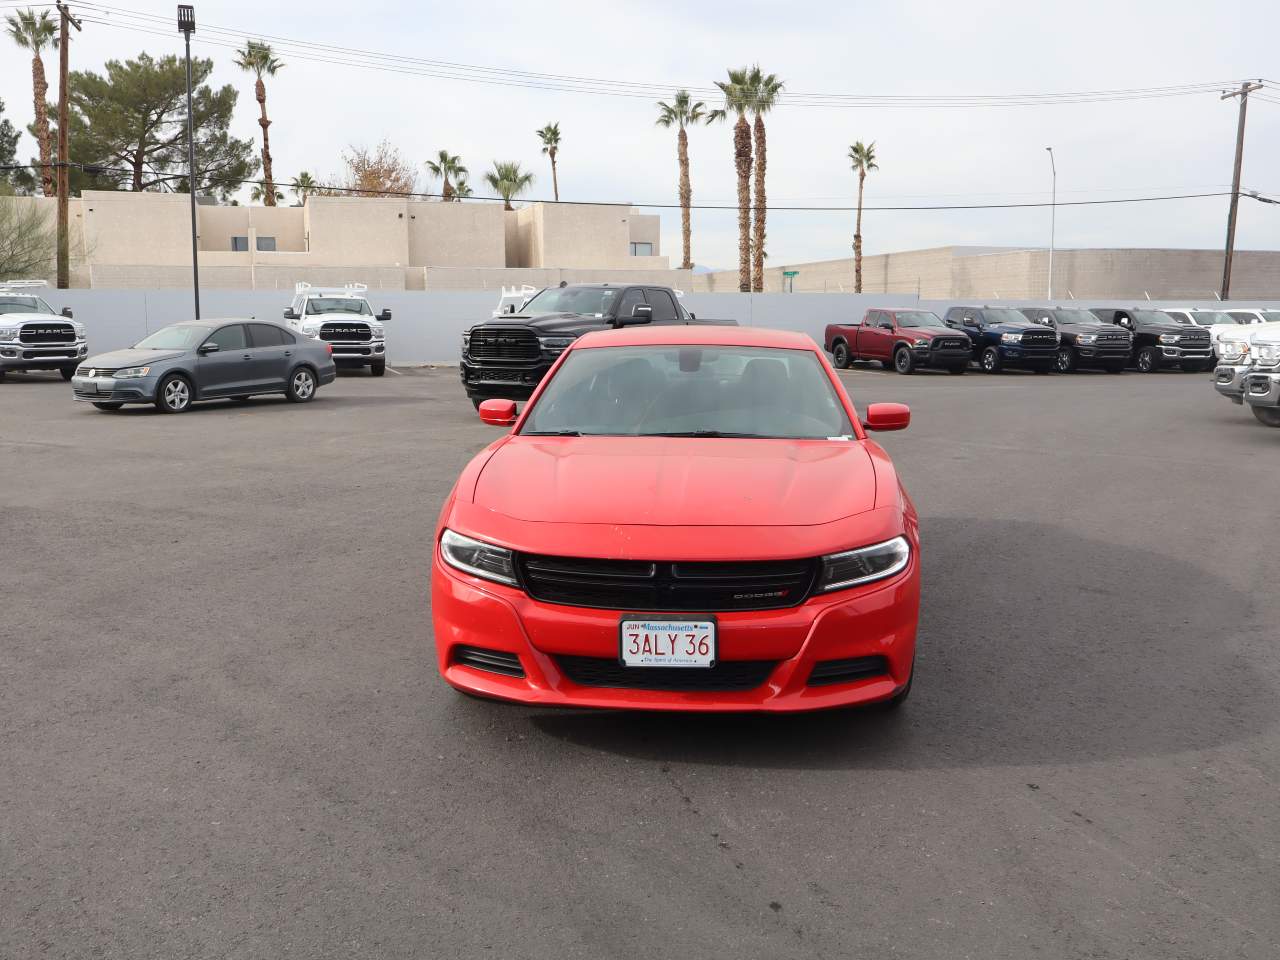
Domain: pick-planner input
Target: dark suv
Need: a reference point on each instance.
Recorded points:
(1085, 341)
(1160, 341)
(1003, 337)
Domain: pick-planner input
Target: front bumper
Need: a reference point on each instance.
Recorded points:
(942, 359)
(505, 381)
(111, 390)
(45, 356)
(359, 352)
(1101, 352)
(1262, 389)
(1019, 356)
(1185, 354)
(877, 620)
(1228, 380)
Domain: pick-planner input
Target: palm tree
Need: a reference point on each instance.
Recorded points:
(765, 90)
(550, 137)
(447, 166)
(681, 112)
(259, 195)
(303, 186)
(737, 100)
(259, 58)
(461, 189)
(35, 33)
(862, 157)
(507, 181)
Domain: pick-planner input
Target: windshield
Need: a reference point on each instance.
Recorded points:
(1177, 316)
(181, 336)
(1271, 316)
(1076, 316)
(1207, 318)
(338, 305)
(1242, 316)
(1003, 315)
(689, 391)
(589, 301)
(24, 305)
(1152, 316)
(918, 318)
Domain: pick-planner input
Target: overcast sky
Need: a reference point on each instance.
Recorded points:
(612, 150)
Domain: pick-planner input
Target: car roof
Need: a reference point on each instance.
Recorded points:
(696, 335)
(214, 321)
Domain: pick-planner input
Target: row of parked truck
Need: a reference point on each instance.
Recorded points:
(1042, 339)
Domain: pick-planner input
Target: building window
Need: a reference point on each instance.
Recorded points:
(267, 244)
(642, 249)
(239, 244)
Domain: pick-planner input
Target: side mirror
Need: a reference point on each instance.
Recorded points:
(289, 314)
(385, 315)
(693, 316)
(886, 324)
(640, 313)
(207, 348)
(498, 413)
(511, 308)
(66, 312)
(950, 322)
(887, 416)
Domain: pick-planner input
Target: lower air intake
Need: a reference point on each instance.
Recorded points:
(827, 672)
(607, 672)
(491, 661)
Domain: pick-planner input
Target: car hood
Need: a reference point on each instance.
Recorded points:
(7, 319)
(130, 358)
(668, 481)
(1011, 327)
(551, 323)
(1181, 329)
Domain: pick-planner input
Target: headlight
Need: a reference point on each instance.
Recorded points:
(480, 559)
(1168, 338)
(378, 332)
(1232, 349)
(1011, 337)
(1270, 352)
(310, 329)
(78, 328)
(131, 373)
(8, 333)
(1086, 338)
(555, 344)
(848, 569)
(920, 343)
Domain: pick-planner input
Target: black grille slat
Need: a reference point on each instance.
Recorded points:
(489, 343)
(630, 585)
(827, 672)
(943, 343)
(47, 333)
(1038, 340)
(492, 661)
(346, 332)
(607, 672)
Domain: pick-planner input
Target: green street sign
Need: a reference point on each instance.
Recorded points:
(790, 273)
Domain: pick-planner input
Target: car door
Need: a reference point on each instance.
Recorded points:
(664, 306)
(971, 323)
(630, 300)
(272, 352)
(885, 335)
(226, 370)
(869, 336)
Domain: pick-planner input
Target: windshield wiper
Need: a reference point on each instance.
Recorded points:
(708, 433)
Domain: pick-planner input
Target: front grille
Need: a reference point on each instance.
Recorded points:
(358, 351)
(826, 672)
(1113, 338)
(499, 375)
(491, 661)
(503, 343)
(1038, 339)
(48, 355)
(88, 371)
(628, 585)
(346, 332)
(945, 343)
(47, 333)
(1192, 342)
(608, 672)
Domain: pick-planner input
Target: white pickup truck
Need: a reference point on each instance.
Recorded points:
(33, 336)
(342, 317)
(1262, 382)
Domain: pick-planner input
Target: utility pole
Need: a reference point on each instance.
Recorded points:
(1053, 217)
(64, 242)
(187, 26)
(1246, 88)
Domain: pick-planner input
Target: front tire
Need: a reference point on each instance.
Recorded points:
(174, 394)
(1065, 361)
(840, 355)
(1268, 416)
(67, 372)
(302, 386)
(1148, 360)
(991, 362)
(903, 361)
(108, 406)
(378, 369)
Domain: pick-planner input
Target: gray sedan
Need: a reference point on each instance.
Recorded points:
(205, 360)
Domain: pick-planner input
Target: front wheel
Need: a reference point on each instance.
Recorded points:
(67, 372)
(903, 361)
(174, 394)
(991, 360)
(1269, 416)
(108, 406)
(378, 369)
(1148, 361)
(840, 355)
(302, 386)
(1065, 361)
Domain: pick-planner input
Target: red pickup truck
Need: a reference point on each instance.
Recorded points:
(903, 340)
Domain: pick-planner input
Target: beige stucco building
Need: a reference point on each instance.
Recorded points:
(123, 239)
(1009, 273)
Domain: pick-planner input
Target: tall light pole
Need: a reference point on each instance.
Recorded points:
(187, 26)
(1053, 216)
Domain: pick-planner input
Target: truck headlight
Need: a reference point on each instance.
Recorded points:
(1232, 349)
(852, 567)
(555, 344)
(1268, 352)
(1168, 338)
(379, 333)
(9, 333)
(919, 343)
(1010, 338)
(131, 373)
(310, 329)
(480, 559)
(1086, 338)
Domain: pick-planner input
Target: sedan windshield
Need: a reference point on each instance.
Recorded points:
(23, 305)
(918, 318)
(338, 305)
(181, 336)
(690, 391)
(589, 301)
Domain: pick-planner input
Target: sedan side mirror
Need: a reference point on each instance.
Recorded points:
(887, 416)
(289, 314)
(498, 413)
(66, 312)
(207, 348)
(385, 315)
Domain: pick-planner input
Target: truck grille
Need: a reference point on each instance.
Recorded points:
(1193, 341)
(48, 333)
(1038, 338)
(498, 375)
(607, 672)
(643, 585)
(952, 343)
(1118, 336)
(346, 332)
(503, 343)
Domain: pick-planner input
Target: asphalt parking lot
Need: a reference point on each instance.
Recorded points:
(222, 733)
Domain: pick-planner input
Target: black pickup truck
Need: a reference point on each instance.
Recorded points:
(1085, 341)
(508, 356)
(1161, 341)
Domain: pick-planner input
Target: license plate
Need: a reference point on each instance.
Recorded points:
(667, 642)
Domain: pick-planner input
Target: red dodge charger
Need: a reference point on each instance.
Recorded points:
(683, 518)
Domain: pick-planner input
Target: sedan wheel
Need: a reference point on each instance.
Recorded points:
(302, 386)
(173, 395)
